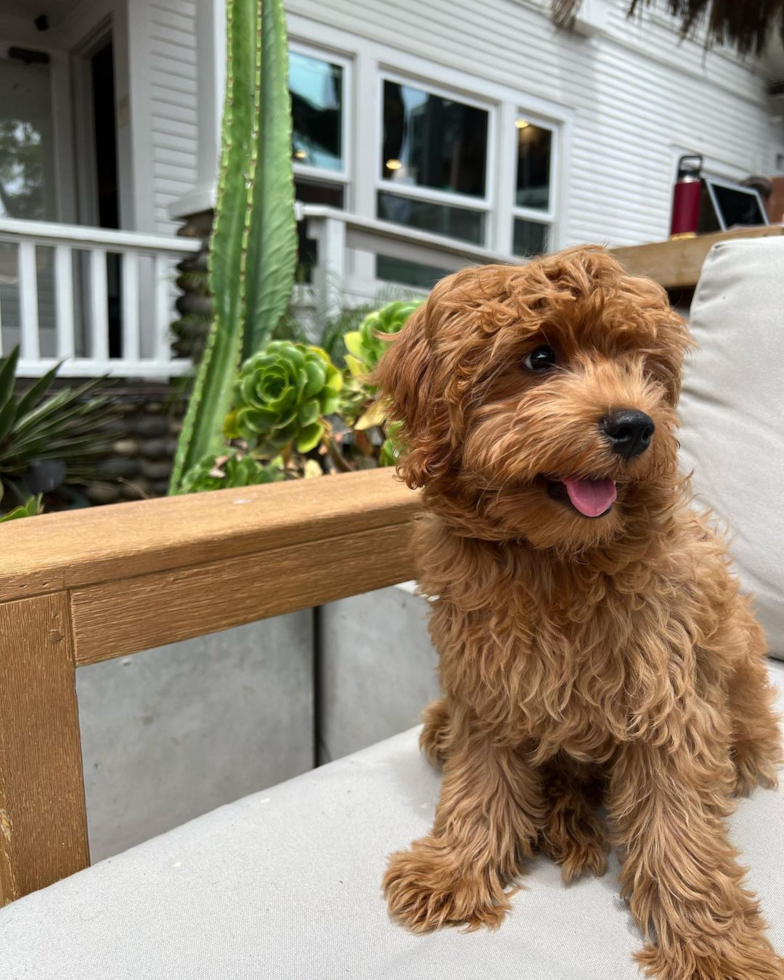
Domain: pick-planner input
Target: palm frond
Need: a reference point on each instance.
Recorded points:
(745, 25)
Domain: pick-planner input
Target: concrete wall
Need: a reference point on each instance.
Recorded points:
(377, 669)
(174, 732)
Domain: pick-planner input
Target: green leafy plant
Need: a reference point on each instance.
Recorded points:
(391, 447)
(231, 468)
(50, 444)
(33, 507)
(254, 241)
(360, 407)
(295, 414)
(282, 396)
(366, 345)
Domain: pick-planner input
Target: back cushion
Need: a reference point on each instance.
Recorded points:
(732, 410)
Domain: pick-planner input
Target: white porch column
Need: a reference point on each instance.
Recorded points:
(329, 273)
(211, 59)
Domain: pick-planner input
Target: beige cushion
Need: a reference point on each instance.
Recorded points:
(285, 885)
(732, 409)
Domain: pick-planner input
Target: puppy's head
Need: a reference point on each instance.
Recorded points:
(538, 402)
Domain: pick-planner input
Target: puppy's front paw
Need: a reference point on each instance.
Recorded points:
(430, 886)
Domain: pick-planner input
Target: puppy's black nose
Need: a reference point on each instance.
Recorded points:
(628, 431)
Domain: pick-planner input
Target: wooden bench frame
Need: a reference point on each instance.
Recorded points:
(85, 586)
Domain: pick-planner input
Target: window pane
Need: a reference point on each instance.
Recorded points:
(530, 237)
(27, 157)
(408, 273)
(440, 219)
(534, 147)
(317, 108)
(433, 142)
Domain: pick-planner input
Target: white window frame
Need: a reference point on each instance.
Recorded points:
(323, 174)
(370, 60)
(540, 216)
(432, 195)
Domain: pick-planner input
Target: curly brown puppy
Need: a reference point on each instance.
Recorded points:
(593, 643)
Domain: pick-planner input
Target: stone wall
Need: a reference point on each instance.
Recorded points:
(149, 421)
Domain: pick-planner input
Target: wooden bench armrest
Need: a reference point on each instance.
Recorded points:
(84, 586)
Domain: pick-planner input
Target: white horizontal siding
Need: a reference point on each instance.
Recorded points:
(174, 131)
(638, 96)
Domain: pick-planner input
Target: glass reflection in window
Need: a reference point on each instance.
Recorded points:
(534, 149)
(430, 141)
(316, 89)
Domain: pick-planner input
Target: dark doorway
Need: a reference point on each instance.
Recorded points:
(105, 129)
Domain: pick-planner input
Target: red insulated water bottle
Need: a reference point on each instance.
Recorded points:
(686, 197)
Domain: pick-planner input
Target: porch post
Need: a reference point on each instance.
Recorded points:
(329, 273)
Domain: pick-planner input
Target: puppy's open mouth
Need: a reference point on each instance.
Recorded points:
(591, 498)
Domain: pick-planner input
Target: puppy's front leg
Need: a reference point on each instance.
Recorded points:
(667, 809)
(488, 819)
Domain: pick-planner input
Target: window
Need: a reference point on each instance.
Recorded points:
(318, 87)
(433, 170)
(434, 142)
(437, 151)
(534, 187)
(27, 150)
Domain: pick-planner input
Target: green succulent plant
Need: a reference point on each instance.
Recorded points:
(365, 345)
(281, 397)
(231, 468)
(49, 444)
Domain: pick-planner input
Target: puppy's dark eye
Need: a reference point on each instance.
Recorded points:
(540, 360)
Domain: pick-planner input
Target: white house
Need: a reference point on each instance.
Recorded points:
(444, 131)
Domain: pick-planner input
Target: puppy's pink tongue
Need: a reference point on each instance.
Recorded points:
(591, 497)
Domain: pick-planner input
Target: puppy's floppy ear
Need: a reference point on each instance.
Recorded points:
(674, 342)
(651, 304)
(407, 375)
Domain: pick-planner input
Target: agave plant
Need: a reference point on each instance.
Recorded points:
(231, 468)
(282, 396)
(47, 443)
(253, 250)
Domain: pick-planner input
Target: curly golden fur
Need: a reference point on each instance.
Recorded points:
(582, 660)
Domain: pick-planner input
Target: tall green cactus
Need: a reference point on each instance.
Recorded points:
(254, 240)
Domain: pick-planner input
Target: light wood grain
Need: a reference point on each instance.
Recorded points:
(43, 826)
(104, 544)
(677, 264)
(123, 617)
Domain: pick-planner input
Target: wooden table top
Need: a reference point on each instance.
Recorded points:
(677, 264)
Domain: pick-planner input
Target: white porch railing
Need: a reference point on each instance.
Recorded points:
(335, 281)
(101, 299)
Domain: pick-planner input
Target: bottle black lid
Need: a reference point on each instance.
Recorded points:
(690, 165)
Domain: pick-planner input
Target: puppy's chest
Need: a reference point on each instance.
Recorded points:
(574, 676)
